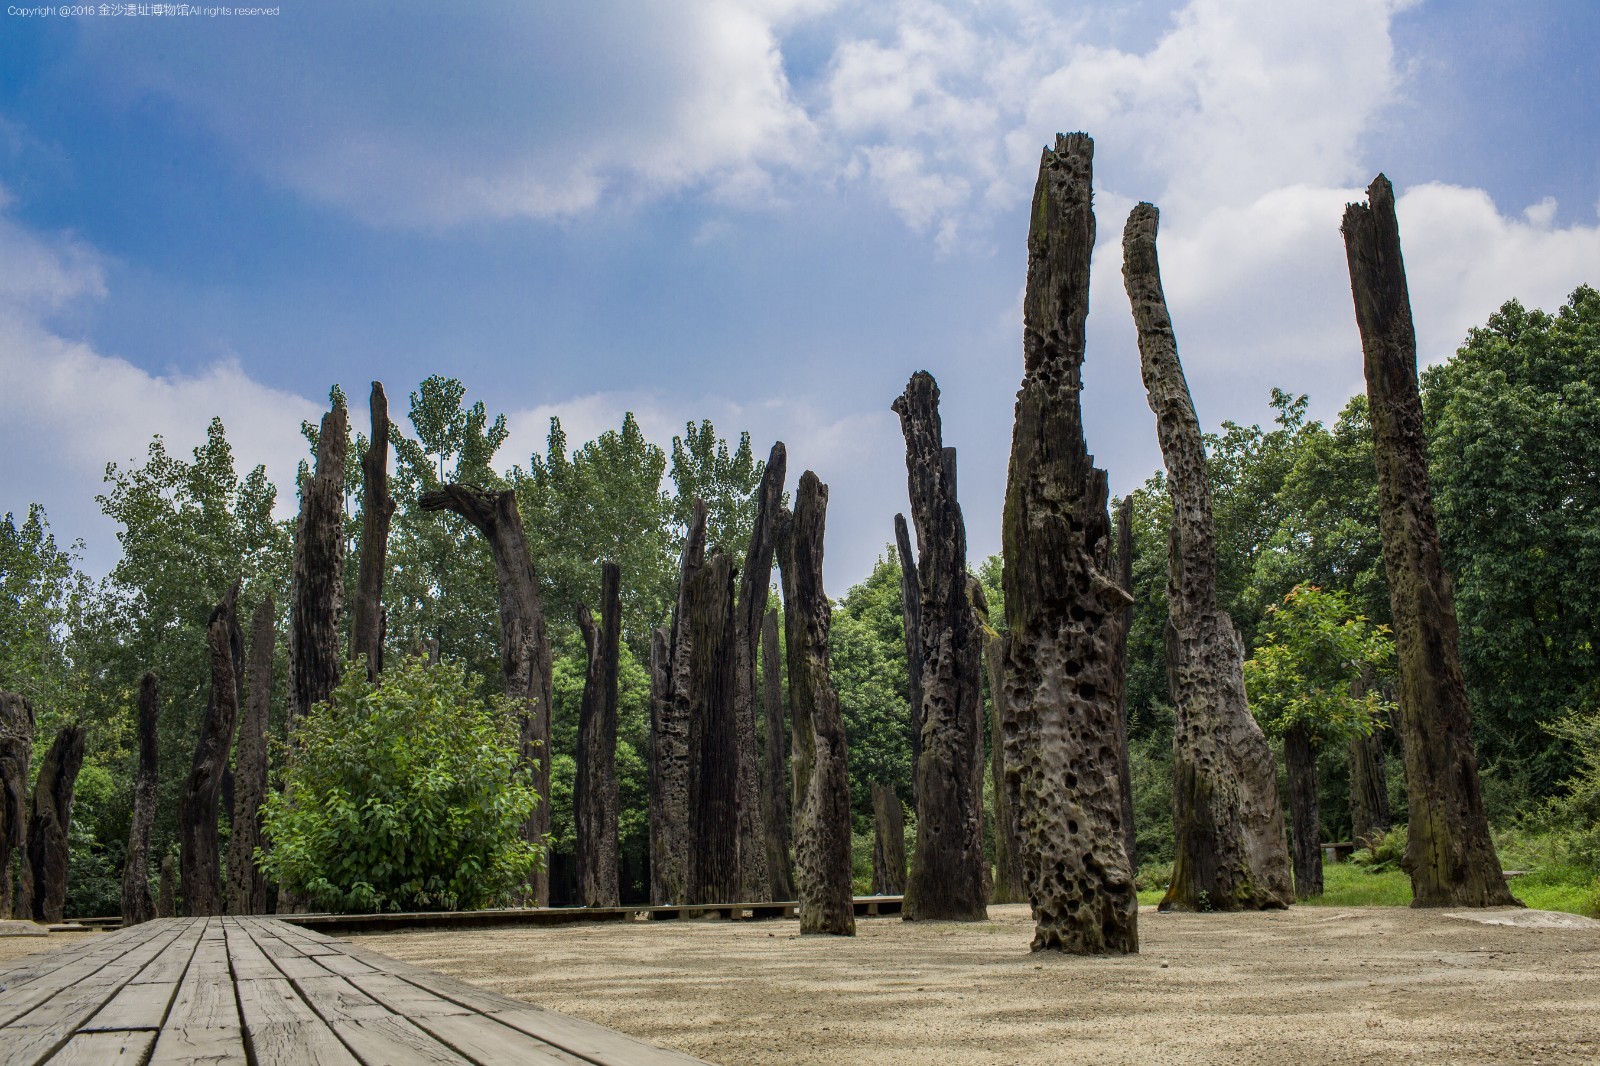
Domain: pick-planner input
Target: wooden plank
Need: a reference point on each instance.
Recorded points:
(168, 967)
(485, 1040)
(404, 998)
(189, 1047)
(298, 1044)
(105, 1049)
(136, 1006)
(203, 1025)
(248, 961)
(334, 998)
(346, 964)
(394, 1042)
(595, 1043)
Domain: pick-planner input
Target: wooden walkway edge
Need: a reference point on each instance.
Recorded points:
(262, 991)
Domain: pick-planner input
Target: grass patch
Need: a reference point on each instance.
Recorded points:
(1347, 885)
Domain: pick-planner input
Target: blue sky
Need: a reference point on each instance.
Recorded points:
(764, 212)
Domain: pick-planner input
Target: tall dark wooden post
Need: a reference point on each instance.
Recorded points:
(1010, 886)
(247, 889)
(524, 643)
(1122, 563)
(199, 855)
(821, 758)
(1060, 706)
(137, 905)
(377, 509)
(16, 761)
(911, 617)
(595, 802)
(670, 750)
(947, 869)
(888, 843)
(713, 738)
(48, 823)
(1369, 784)
(1449, 852)
(317, 591)
(775, 783)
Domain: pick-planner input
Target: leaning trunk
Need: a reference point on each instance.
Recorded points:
(775, 767)
(50, 820)
(377, 508)
(247, 889)
(16, 758)
(137, 906)
(822, 782)
(1449, 852)
(947, 869)
(1009, 884)
(713, 747)
(595, 802)
(1061, 607)
(1227, 817)
(1300, 756)
(199, 856)
(524, 644)
(889, 843)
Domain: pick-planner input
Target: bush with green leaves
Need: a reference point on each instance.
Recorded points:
(408, 795)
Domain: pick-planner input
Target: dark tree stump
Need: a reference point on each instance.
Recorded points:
(911, 616)
(775, 782)
(755, 875)
(137, 906)
(821, 759)
(1227, 817)
(167, 891)
(713, 739)
(199, 856)
(669, 852)
(247, 889)
(317, 590)
(16, 759)
(50, 819)
(524, 643)
(1370, 818)
(1062, 609)
(947, 869)
(1122, 560)
(595, 804)
(1009, 884)
(889, 842)
(1449, 853)
(1305, 811)
(377, 509)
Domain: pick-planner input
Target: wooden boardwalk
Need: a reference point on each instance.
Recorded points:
(261, 991)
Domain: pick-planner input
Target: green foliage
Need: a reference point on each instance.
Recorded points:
(405, 796)
(703, 466)
(1315, 648)
(868, 662)
(1387, 853)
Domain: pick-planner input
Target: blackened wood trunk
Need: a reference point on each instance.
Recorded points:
(666, 877)
(137, 905)
(947, 868)
(1449, 853)
(775, 782)
(1009, 884)
(1061, 607)
(16, 762)
(821, 759)
(525, 662)
(889, 843)
(669, 856)
(1370, 818)
(1123, 565)
(167, 890)
(713, 741)
(755, 875)
(199, 854)
(1305, 811)
(1232, 853)
(49, 822)
(595, 805)
(377, 509)
(317, 590)
(247, 888)
(911, 618)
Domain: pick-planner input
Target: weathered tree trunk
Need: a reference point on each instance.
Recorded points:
(377, 508)
(1449, 854)
(713, 741)
(755, 876)
(1227, 817)
(167, 891)
(1305, 812)
(1061, 609)
(247, 889)
(1123, 559)
(666, 877)
(669, 852)
(775, 767)
(16, 761)
(889, 844)
(199, 854)
(911, 616)
(50, 819)
(1009, 884)
(1369, 785)
(821, 759)
(137, 906)
(947, 869)
(595, 805)
(524, 644)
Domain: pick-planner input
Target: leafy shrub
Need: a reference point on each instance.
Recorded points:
(1387, 853)
(408, 795)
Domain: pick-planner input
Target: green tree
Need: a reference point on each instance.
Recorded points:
(407, 796)
(42, 594)
(868, 660)
(703, 466)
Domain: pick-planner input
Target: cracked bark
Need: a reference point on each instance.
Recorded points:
(16, 761)
(49, 820)
(1449, 853)
(595, 802)
(1123, 560)
(713, 739)
(199, 856)
(1061, 607)
(1305, 810)
(1369, 786)
(911, 618)
(669, 851)
(775, 782)
(137, 906)
(247, 888)
(1009, 884)
(888, 843)
(821, 759)
(377, 508)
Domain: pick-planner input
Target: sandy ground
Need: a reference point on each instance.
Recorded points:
(1310, 985)
(12, 947)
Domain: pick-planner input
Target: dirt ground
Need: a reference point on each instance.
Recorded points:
(12, 947)
(1309, 985)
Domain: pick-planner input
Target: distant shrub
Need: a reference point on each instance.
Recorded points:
(1387, 853)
